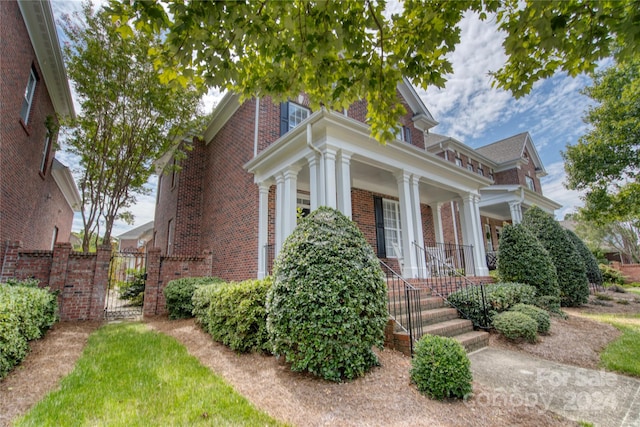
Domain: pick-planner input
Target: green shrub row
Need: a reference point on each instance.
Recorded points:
(179, 295)
(499, 297)
(516, 325)
(539, 315)
(610, 275)
(235, 314)
(26, 312)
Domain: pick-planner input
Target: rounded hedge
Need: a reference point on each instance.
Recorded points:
(515, 326)
(594, 275)
(179, 294)
(327, 307)
(539, 315)
(572, 277)
(523, 259)
(440, 368)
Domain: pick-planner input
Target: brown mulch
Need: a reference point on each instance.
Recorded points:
(50, 359)
(383, 397)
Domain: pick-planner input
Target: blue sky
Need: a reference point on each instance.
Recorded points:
(468, 109)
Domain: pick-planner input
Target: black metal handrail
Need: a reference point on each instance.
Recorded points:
(453, 256)
(444, 279)
(404, 304)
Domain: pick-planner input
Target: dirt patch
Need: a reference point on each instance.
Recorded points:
(50, 359)
(383, 397)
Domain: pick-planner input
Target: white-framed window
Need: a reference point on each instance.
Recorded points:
(403, 134)
(297, 114)
(392, 227)
(470, 166)
(458, 161)
(28, 96)
(491, 176)
(530, 183)
(45, 152)
(480, 171)
(498, 233)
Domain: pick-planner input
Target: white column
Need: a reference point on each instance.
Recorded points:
(472, 231)
(436, 211)
(418, 235)
(263, 228)
(344, 183)
(289, 201)
(279, 212)
(314, 187)
(410, 269)
(516, 212)
(330, 178)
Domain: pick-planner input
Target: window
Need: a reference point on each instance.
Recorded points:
(303, 203)
(489, 240)
(530, 183)
(470, 166)
(45, 153)
(480, 171)
(459, 161)
(28, 96)
(291, 115)
(498, 233)
(491, 177)
(404, 134)
(392, 228)
(170, 233)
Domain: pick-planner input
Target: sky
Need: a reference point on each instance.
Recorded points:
(467, 108)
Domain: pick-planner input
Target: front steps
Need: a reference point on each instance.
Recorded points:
(436, 319)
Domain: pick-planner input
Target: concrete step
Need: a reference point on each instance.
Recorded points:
(474, 340)
(449, 328)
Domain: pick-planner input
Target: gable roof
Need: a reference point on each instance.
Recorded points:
(38, 18)
(512, 149)
(64, 180)
(137, 232)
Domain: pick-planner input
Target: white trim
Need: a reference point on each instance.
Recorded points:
(63, 178)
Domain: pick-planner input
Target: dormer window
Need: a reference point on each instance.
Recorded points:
(291, 115)
(480, 171)
(459, 161)
(470, 166)
(404, 134)
(530, 183)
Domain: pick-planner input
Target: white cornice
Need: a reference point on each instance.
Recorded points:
(63, 178)
(38, 19)
(464, 148)
(227, 106)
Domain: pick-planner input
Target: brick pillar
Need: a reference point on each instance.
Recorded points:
(100, 283)
(10, 260)
(152, 284)
(58, 275)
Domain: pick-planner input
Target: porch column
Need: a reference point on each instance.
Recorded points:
(289, 201)
(344, 183)
(263, 228)
(314, 186)
(418, 235)
(330, 178)
(410, 269)
(516, 212)
(279, 212)
(472, 232)
(436, 211)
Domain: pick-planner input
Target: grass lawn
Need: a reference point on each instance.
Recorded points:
(130, 376)
(622, 354)
(633, 290)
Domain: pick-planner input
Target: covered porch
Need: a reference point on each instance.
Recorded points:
(395, 193)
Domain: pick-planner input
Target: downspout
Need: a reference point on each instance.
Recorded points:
(255, 131)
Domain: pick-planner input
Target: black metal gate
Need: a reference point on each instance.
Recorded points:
(125, 293)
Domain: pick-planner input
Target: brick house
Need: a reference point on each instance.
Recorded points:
(37, 193)
(136, 239)
(238, 191)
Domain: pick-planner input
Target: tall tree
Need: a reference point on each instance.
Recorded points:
(605, 163)
(342, 51)
(128, 116)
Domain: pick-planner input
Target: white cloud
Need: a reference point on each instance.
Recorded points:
(553, 187)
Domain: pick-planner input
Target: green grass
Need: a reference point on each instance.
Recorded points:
(622, 354)
(130, 376)
(634, 290)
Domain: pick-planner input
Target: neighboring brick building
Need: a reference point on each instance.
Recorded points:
(238, 190)
(136, 239)
(37, 192)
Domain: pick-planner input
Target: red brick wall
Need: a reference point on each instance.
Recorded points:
(529, 170)
(493, 223)
(448, 223)
(631, 272)
(31, 203)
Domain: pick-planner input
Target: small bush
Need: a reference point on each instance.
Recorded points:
(327, 307)
(179, 293)
(440, 368)
(516, 326)
(610, 275)
(26, 312)
(604, 297)
(499, 297)
(550, 304)
(201, 301)
(539, 315)
(237, 316)
(617, 288)
(133, 291)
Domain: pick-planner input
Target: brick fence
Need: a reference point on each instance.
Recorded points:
(81, 279)
(631, 272)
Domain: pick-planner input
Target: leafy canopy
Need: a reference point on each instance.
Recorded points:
(128, 116)
(343, 51)
(605, 163)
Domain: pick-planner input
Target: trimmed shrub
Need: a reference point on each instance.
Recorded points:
(179, 293)
(133, 291)
(610, 275)
(26, 312)
(440, 368)
(237, 316)
(498, 296)
(515, 326)
(523, 259)
(539, 315)
(201, 301)
(594, 275)
(550, 304)
(327, 307)
(572, 277)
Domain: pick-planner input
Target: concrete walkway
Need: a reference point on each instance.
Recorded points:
(601, 398)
